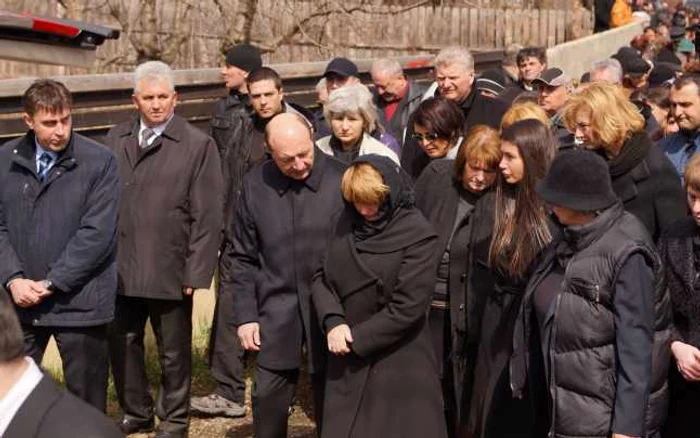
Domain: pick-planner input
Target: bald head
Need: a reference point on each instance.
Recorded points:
(291, 145)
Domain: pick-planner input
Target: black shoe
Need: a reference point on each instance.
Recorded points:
(129, 426)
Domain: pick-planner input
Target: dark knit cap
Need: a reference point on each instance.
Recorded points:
(493, 80)
(245, 57)
(578, 180)
(632, 62)
(662, 73)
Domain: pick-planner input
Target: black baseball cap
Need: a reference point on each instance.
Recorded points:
(342, 67)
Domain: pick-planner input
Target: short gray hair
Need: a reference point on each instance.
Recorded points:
(387, 66)
(153, 71)
(610, 65)
(354, 98)
(455, 55)
(510, 54)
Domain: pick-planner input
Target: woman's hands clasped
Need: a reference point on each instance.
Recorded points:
(339, 339)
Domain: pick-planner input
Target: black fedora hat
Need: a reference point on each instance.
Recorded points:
(578, 180)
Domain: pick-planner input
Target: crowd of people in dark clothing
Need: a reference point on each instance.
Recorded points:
(509, 254)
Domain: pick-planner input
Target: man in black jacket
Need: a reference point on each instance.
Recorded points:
(282, 223)
(228, 127)
(59, 197)
(454, 74)
(32, 404)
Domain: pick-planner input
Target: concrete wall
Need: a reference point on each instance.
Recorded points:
(576, 57)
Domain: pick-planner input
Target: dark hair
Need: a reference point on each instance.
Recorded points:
(659, 96)
(48, 95)
(649, 28)
(11, 338)
(441, 117)
(532, 52)
(521, 229)
(264, 74)
(687, 79)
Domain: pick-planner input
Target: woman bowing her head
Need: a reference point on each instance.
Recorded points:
(372, 297)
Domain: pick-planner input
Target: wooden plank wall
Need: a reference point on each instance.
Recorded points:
(390, 32)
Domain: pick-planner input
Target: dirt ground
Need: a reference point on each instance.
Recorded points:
(300, 425)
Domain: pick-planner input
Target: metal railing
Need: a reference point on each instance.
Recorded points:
(101, 101)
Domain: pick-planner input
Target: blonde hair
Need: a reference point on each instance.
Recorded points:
(613, 117)
(363, 184)
(524, 111)
(691, 175)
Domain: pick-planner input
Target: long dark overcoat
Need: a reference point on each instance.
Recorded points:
(388, 385)
(281, 231)
(170, 218)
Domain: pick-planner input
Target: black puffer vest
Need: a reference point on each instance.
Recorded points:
(582, 345)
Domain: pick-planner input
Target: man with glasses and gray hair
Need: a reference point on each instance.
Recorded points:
(170, 225)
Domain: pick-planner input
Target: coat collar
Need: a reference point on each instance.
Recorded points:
(174, 131)
(25, 152)
(282, 183)
(26, 421)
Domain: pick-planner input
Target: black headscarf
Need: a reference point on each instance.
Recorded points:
(401, 196)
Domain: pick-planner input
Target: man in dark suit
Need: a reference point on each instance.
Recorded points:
(31, 405)
(59, 198)
(284, 217)
(170, 226)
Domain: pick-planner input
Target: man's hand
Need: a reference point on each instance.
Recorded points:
(687, 360)
(26, 293)
(338, 339)
(249, 334)
(187, 290)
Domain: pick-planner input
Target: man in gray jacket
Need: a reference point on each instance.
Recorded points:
(59, 197)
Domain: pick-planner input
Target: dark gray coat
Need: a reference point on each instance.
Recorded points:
(281, 230)
(170, 219)
(63, 229)
(388, 385)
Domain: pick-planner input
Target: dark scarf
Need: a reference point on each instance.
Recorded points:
(401, 196)
(633, 152)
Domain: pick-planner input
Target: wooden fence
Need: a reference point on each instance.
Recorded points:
(372, 32)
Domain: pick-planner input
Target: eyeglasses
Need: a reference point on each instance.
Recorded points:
(427, 137)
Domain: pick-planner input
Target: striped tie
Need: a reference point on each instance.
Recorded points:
(146, 137)
(45, 161)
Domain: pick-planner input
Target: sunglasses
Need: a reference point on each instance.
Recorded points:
(426, 137)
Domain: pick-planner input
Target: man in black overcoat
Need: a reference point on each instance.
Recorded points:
(283, 220)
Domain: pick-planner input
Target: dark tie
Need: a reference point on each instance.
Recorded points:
(45, 161)
(146, 136)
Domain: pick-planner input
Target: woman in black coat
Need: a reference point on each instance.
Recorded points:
(680, 251)
(447, 193)
(372, 298)
(603, 119)
(520, 232)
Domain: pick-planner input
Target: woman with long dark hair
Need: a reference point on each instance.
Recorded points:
(520, 232)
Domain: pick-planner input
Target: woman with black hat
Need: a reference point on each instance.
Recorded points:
(595, 316)
(372, 299)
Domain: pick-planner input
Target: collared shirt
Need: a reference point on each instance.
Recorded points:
(158, 130)
(41, 151)
(679, 148)
(452, 153)
(20, 391)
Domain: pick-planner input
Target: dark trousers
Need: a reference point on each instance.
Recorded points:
(225, 352)
(273, 392)
(84, 355)
(172, 325)
(441, 331)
